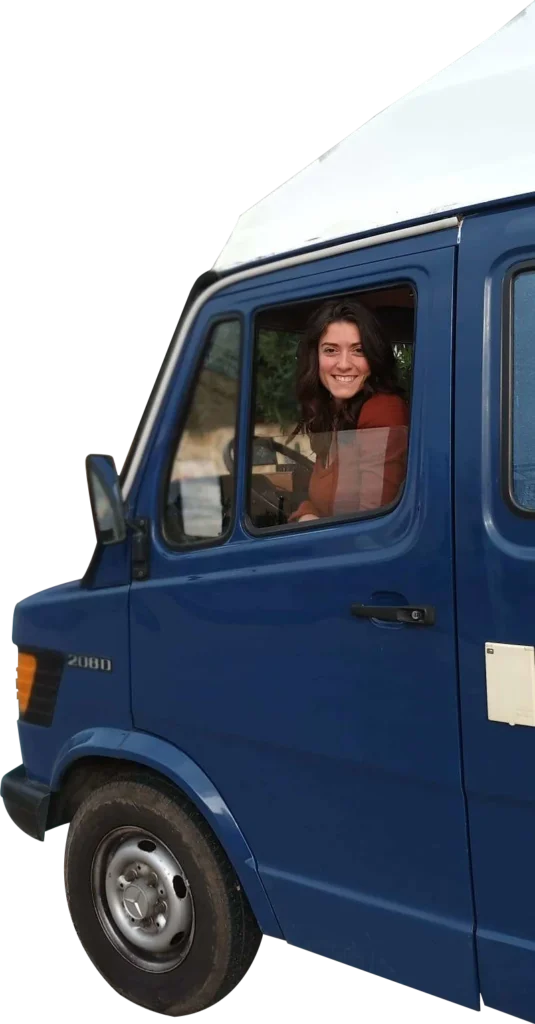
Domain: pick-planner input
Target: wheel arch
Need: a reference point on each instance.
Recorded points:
(93, 756)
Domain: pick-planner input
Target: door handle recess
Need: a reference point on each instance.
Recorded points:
(411, 615)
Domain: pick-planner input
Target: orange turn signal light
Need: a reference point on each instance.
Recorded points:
(26, 670)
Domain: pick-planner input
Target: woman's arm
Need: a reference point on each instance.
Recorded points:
(383, 450)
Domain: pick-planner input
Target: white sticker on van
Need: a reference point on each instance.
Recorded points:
(510, 671)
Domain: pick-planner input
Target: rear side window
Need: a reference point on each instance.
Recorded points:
(199, 503)
(523, 390)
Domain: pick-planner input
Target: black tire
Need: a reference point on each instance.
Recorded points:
(225, 936)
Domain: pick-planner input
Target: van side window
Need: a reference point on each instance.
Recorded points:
(331, 407)
(523, 390)
(199, 503)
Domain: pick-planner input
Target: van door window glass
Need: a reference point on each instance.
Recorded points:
(200, 491)
(523, 405)
(332, 385)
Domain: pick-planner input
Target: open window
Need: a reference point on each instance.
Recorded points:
(283, 456)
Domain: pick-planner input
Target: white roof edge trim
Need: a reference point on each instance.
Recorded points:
(257, 271)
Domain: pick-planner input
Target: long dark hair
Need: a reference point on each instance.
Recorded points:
(320, 415)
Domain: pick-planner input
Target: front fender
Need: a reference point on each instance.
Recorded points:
(163, 757)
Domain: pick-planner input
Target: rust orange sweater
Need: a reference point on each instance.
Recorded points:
(378, 467)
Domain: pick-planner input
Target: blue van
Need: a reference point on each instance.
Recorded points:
(259, 720)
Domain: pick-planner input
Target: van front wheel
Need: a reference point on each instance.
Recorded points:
(154, 899)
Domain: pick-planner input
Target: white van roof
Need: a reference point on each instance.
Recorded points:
(464, 138)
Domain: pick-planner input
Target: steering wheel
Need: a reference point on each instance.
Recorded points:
(270, 445)
(270, 495)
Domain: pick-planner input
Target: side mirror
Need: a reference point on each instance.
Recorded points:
(106, 500)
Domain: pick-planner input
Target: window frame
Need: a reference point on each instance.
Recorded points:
(139, 427)
(357, 517)
(507, 387)
(188, 394)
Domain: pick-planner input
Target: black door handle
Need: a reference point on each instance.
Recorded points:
(412, 615)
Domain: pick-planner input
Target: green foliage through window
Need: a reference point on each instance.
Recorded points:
(275, 377)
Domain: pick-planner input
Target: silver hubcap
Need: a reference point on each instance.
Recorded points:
(143, 899)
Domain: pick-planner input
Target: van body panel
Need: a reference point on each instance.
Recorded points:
(495, 559)
(335, 743)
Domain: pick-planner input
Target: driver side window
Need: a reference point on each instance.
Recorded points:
(332, 384)
(200, 493)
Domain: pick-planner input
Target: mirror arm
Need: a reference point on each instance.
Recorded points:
(140, 547)
(136, 526)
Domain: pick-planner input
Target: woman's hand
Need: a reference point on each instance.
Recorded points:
(307, 518)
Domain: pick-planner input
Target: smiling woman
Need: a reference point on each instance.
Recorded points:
(333, 380)
(347, 381)
(343, 367)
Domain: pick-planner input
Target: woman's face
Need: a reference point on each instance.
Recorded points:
(343, 367)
